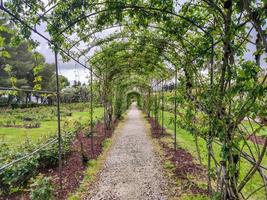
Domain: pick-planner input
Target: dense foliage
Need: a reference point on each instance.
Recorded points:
(45, 143)
(204, 43)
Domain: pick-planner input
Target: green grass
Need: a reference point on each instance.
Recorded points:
(16, 136)
(194, 197)
(186, 141)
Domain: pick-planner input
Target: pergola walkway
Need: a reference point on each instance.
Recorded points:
(132, 170)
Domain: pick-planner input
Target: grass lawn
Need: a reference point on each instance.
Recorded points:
(186, 141)
(16, 136)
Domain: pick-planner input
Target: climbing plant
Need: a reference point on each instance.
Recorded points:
(221, 92)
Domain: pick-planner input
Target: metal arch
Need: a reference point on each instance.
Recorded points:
(169, 60)
(149, 8)
(140, 82)
(140, 7)
(115, 26)
(207, 49)
(133, 6)
(112, 39)
(128, 6)
(106, 40)
(122, 50)
(68, 40)
(160, 10)
(54, 6)
(42, 36)
(165, 56)
(127, 67)
(116, 52)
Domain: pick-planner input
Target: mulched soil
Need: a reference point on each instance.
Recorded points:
(185, 166)
(74, 164)
(256, 139)
(157, 130)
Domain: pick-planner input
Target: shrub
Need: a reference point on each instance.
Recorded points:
(34, 124)
(41, 188)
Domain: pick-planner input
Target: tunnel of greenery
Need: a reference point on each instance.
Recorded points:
(134, 96)
(186, 58)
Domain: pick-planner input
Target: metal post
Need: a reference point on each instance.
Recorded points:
(155, 103)
(209, 140)
(91, 110)
(152, 102)
(105, 107)
(158, 102)
(175, 109)
(58, 121)
(162, 106)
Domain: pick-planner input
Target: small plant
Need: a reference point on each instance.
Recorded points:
(68, 113)
(168, 165)
(34, 124)
(41, 188)
(8, 123)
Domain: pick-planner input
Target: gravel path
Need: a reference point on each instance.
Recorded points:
(132, 170)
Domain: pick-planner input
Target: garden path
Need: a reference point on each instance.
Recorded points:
(132, 170)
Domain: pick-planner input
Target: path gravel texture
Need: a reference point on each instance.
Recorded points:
(132, 170)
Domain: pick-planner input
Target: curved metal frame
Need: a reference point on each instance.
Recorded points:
(58, 48)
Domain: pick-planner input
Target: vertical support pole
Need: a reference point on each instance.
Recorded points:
(58, 121)
(152, 103)
(105, 121)
(105, 107)
(26, 98)
(162, 107)
(91, 110)
(209, 141)
(155, 103)
(158, 103)
(175, 110)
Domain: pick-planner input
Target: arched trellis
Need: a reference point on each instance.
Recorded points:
(126, 6)
(175, 106)
(79, 19)
(130, 6)
(132, 94)
(125, 67)
(120, 26)
(211, 68)
(147, 39)
(57, 47)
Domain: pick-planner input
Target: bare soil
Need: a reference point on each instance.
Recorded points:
(256, 139)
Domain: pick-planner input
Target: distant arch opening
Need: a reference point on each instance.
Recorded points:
(134, 96)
